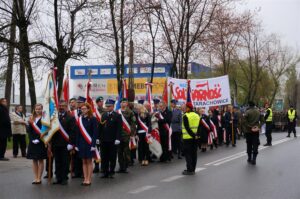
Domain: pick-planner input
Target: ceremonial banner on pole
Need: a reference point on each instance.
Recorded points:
(50, 122)
(204, 92)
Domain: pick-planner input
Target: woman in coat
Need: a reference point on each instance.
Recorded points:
(86, 141)
(37, 151)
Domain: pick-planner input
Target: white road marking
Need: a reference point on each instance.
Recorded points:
(141, 189)
(243, 153)
(199, 169)
(170, 179)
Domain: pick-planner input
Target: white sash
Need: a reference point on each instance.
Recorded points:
(125, 124)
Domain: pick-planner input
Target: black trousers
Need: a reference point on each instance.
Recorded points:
(61, 158)
(252, 140)
(292, 128)
(176, 142)
(190, 154)
(77, 165)
(269, 132)
(231, 135)
(3, 145)
(164, 145)
(220, 135)
(19, 141)
(143, 148)
(109, 157)
(123, 155)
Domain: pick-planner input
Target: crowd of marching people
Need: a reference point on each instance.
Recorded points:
(137, 132)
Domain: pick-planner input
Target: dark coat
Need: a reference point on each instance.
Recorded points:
(167, 119)
(176, 121)
(36, 151)
(91, 126)
(5, 125)
(146, 120)
(111, 127)
(68, 122)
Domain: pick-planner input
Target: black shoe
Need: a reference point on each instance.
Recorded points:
(295, 136)
(96, 170)
(266, 144)
(64, 182)
(15, 156)
(249, 160)
(185, 172)
(110, 176)
(122, 171)
(104, 176)
(288, 136)
(179, 157)
(234, 145)
(253, 162)
(4, 159)
(56, 182)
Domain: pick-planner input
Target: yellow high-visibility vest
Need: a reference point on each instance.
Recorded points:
(291, 115)
(193, 119)
(270, 117)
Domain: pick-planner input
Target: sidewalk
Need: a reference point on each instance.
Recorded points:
(14, 163)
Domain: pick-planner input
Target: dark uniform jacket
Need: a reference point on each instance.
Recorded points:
(69, 124)
(111, 127)
(252, 118)
(5, 125)
(167, 119)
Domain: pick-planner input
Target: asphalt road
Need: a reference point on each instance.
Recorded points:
(222, 173)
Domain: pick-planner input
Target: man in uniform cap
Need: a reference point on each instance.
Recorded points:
(101, 111)
(176, 124)
(156, 104)
(141, 101)
(110, 135)
(123, 149)
(269, 124)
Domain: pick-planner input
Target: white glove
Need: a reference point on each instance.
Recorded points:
(76, 149)
(97, 141)
(70, 147)
(117, 142)
(93, 149)
(36, 141)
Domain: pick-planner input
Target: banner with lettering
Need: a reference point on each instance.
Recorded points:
(204, 92)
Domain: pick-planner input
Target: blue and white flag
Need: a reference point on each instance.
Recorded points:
(50, 121)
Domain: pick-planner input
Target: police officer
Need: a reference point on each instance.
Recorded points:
(60, 145)
(123, 149)
(269, 123)
(252, 121)
(190, 124)
(292, 117)
(101, 111)
(110, 135)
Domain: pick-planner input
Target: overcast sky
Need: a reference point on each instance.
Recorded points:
(279, 16)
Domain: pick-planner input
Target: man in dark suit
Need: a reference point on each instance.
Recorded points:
(5, 128)
(176, 129)
(110, 135)
(61, 146)
(163, 123)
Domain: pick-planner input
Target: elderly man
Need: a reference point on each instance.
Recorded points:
(18, 125)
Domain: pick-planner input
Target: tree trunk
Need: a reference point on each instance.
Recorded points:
(10, 62)
(25, 61)
(22, 86)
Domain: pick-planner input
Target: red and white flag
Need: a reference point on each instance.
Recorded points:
(125, 124)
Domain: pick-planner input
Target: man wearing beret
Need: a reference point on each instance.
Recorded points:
(110, 135)
(123, 148)
(101, 110)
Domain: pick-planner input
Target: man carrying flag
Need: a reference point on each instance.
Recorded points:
(128, 129)
(164, 120)
(62, 142)
(99, 112)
